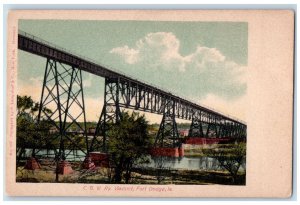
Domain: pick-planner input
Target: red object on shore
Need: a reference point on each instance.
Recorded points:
(32, 164)
(202, 140)
(88, 163)
(100, 159)
(167, 151)
(64, 167)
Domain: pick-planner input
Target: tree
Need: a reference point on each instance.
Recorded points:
(128, 144)
(24, 104)
(30, 134)
(231, 161)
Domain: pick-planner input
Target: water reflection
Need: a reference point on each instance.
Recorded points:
(160, 162)
(71, 155)
(189, 163)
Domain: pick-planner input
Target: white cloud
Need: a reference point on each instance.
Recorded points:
(156, 50)
(235, 108)
(204, 58)
(207, 66)
(161, 50)
(130, 55)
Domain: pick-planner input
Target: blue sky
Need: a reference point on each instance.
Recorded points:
(202, 61)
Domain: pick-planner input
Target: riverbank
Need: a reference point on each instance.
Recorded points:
(139, 176)
(200, 165)
(205, 150)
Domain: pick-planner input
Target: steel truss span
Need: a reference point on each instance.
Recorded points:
(122, 91)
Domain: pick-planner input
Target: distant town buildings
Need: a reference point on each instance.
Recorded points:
(183, 132)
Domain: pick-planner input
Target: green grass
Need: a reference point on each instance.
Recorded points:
(139, 176)
(204, 150)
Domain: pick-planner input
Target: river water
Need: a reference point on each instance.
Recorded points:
(188, 163)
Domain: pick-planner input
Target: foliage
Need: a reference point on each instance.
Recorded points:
(31, 134)
(231, 162)
(27, 107)
(129, 143)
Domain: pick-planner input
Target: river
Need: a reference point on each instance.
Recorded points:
(187, 163)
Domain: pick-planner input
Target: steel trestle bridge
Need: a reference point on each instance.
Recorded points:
(63, 88)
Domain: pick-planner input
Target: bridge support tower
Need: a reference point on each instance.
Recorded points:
(62, 105)
(167, 142)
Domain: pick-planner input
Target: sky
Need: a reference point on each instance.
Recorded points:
(205, 62)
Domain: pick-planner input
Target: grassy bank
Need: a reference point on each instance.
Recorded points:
(206, 150)
(139, 176)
